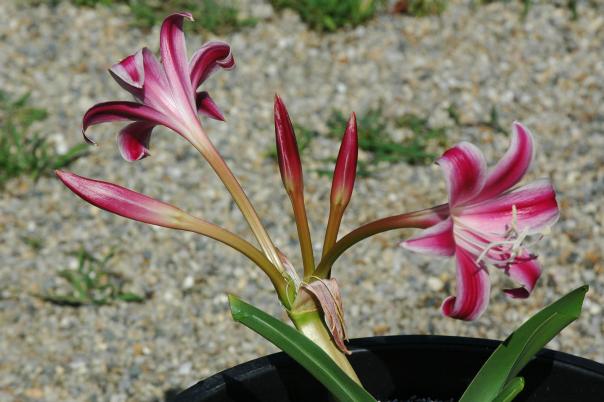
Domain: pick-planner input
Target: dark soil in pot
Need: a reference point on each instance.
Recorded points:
(400, 368)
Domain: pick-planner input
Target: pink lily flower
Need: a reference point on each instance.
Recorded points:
(488, 224)
(165, 94)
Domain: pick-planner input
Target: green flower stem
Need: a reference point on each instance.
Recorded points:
(280, 282)
(308, 258)
(333, 226)
(310, 323)
(419, 219)
(210, 153)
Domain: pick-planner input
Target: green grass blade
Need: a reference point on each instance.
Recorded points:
(519, 348)
(77, 282)
(64, 300)
(130, 297)
(301, 349)
(73, 153)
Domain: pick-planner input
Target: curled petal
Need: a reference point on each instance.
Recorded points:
(473, 289)
(526, 272)
(174, 58)
(119, 111)
(130, 74)
(534, 204)
(346, 165)
(514, 164)
(207, 107)
(436, 240)
(133, 140)
(122, 201)
(287, 149)
(465, 168)
(209, 58)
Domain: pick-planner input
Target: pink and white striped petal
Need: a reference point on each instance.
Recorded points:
(513, 166)
(473, 289)
(436, 240)
(119, 111)
(209, 58)
(526, 273)
(133, 140)
(156, 89)
(535, 204)
(130, 74)
(122, 201)
(207, 107)
(174, 59)
(465, 169)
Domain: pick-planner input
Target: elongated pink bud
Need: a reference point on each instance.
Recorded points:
(287, 150)
(122, 201)
(346, 166)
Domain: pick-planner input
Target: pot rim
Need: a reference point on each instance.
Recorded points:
(260, 365)
(384, 342)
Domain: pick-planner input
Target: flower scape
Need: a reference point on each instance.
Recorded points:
(489, 225)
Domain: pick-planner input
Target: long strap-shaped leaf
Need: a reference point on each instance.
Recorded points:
(520, 347)
(509, 392)
(301, 349)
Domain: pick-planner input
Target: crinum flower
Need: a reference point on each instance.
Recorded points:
(165, 93)
(488, 224)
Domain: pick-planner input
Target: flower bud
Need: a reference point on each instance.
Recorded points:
(346, 166)
(287, 150)
(122, 201)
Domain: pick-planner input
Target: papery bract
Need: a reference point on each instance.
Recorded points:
(489, 224)
(165, 92)
(326, 292)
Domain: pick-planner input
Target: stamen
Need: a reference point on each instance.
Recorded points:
(510, 248)
(507, 256)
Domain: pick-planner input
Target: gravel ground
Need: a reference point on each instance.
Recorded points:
(546, 71)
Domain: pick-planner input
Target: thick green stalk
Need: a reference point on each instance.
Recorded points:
(312, 326)
(333, 227)
(419, 219)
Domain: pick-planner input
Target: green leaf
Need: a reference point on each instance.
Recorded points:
(130, 297)
(510, 391)
(301, 349)
(518, 349)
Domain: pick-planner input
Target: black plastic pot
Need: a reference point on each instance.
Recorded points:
(439, 367)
